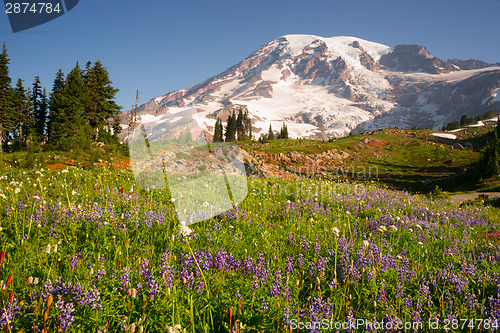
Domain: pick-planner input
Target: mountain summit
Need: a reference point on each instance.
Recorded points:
(328, 87)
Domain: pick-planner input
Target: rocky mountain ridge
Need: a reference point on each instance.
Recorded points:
(328, 87)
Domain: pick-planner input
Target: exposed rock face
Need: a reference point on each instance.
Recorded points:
(414, 58)
(469, 64)
(327, 158)
(364, 57)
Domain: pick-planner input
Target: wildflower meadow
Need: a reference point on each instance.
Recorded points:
(89, 251)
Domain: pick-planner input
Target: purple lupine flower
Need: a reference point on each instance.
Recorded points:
(125, 279)
(275, 289)
(300, 259)
(200, 286)
(65, 313)
(9, 312)
(265, 306)
(350, 319)
(151, 282)
(321, 265)
(304, 243)
(286, 319)
(381, 295)
(289, 266)
(92, 298)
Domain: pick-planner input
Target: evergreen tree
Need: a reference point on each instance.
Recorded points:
(218, 131)
(270, 133)
(21, 115)
(39, 109)
(71, 130)
(5, 97)
(248, 125)
(231, 128)
(100, 106)
(466, 120)
(283, 132)
(117, 129)
(56, 115)
(491, 156)
(240, 126)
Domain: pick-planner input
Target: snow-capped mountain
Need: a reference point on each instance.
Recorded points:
(328, 87)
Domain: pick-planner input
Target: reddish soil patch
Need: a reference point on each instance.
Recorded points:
(122, 164)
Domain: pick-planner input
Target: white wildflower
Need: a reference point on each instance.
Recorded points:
(74, 192)
(418, 226)
(366, 243)
(47, 250)
(393, 227)
(420, 243)
(17, 190)
(3, 196)
(184, 230)
(55, 248)
(35, 281)
(335, 231)
(65, 171)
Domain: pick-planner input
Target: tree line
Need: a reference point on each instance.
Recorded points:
(79, 109)
(239, 128)
(466, 120)
(490, 161)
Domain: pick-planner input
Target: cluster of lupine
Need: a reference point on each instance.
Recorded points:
(112, 258)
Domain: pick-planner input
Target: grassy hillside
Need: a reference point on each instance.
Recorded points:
(405, 159)
(412, 160)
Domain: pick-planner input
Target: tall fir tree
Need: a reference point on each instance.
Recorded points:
(73, 132)
(283, 132)
(5, 98)
(240, 126)
(55, 124)
(39, 110)
(231, 128)
(21, 115)
(218, 131)
(100, 106)
(491, 156)
(248, 125)
(270, 133)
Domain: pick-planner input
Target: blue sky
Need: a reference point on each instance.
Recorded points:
(158, 46)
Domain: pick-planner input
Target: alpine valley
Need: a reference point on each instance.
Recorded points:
(328, 87)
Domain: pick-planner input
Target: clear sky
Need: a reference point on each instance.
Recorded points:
(158, 46)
